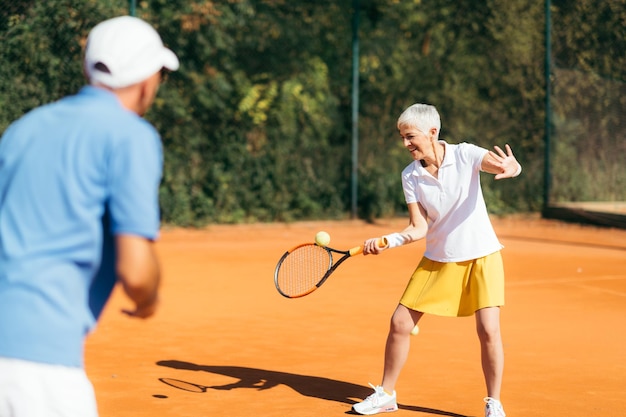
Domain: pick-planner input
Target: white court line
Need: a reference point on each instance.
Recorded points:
(563, 242)
(601, 290)
(569, 280)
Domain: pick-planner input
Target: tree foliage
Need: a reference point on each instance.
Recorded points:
(256, 124)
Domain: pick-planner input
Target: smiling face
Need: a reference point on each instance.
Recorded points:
(418, 143)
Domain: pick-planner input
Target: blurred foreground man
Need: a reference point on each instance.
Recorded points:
(79, 212)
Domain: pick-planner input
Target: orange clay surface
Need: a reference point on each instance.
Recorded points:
(223, 327)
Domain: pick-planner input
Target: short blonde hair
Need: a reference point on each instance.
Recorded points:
(422, 116)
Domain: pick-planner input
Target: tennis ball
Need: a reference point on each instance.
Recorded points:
(415, 330)
(322, 238)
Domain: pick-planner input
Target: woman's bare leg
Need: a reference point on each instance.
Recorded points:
(491, 350)
(398, 344)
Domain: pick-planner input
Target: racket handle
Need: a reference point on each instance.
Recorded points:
(381, 243)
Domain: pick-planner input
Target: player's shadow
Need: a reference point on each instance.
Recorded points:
(310, 386)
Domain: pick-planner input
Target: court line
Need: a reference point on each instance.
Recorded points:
(564, 242)
(601, 290)
(570, 280)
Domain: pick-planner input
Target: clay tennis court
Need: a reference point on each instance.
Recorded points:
(251, 352)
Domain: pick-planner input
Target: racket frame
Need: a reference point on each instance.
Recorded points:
(331, 266)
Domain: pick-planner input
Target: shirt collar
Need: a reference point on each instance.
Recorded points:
(448, 160)
(100, 93)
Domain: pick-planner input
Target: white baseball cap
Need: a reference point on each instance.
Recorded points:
(125, 50)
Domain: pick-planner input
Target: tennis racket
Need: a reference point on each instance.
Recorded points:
(304, 268)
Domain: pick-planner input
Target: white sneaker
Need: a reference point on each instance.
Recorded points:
(378, 402)
(493, 408)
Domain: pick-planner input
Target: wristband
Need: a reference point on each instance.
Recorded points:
(519, 170)
(394, 240)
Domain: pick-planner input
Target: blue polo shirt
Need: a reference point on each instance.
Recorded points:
(63, 168)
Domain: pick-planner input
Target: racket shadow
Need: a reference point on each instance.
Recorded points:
(307, 385)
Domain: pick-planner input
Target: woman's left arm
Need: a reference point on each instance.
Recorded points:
(503, 165)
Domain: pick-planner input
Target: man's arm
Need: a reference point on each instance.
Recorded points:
(139, 272)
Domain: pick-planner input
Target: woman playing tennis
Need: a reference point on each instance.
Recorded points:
(461, 272)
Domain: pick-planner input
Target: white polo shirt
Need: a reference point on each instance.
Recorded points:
(459, 228)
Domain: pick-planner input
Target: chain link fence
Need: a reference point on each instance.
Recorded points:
(588, 113)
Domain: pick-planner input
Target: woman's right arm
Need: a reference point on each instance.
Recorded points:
(415, 231)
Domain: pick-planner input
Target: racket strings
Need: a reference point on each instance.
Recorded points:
(302, 269)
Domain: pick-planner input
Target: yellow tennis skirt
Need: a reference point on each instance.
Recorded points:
(456, 289)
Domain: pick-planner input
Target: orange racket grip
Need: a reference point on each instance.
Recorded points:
(381, 243)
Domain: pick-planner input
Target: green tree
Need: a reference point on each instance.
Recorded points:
(41, 51)
(256, 124)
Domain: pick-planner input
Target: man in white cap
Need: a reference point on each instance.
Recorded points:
(79, 212)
